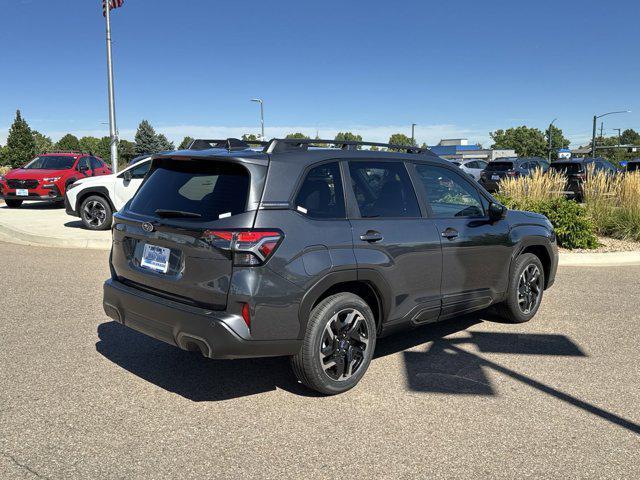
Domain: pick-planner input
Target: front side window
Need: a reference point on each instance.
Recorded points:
(321, 194)
(383, 189)
(448, 194)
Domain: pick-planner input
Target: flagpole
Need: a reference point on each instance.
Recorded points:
(112, 103)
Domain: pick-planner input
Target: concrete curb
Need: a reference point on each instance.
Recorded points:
(610, 259)
(13, 235)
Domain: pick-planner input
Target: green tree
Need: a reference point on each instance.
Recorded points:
(401, 139)
(299, 135)
(43, 143)
(249, 137)
(527, 142)
(126, 152)
(21, 146)
(558, 140)
(630, 137)
(348, 137)
(89, 145)
(374, 148)
(68, 142)
(186, 141)
(146, 139)
(164, 143)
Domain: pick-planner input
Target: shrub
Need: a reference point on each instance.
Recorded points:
(570, 220)
(539, 186)
(4, 169)
(613, 203)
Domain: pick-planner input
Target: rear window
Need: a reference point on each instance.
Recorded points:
(211, 190)
(567, 168)
(633, 166)
(499, 166)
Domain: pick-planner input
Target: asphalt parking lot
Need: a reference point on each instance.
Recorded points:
(83, 397)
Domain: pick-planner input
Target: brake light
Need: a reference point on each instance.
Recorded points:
(512, 173)
(249, 247)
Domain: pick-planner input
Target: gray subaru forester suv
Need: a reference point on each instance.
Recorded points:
(314, 253)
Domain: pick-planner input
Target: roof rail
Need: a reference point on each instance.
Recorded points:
(227, 144)
(280, 145)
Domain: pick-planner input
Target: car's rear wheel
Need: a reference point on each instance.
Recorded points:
(338, 344)
(526, 288)
(96, 213)
(13, 203)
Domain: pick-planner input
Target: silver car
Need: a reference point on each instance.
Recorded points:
(471, 166)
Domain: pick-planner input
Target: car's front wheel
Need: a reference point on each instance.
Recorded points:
(338, 344)
(96, 213)
(13, 203)
(526, 287)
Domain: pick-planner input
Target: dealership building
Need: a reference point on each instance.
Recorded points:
(459, 149)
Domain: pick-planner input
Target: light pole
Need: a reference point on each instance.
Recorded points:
(259, 100)
(618, 130)
(112, 104)
(550, 147)
(413, 136)
(595, 118)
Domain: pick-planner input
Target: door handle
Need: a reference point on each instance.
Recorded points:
(450, 233)
(371, 236)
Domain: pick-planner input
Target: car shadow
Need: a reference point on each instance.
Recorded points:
(29, 205)
(75, 224)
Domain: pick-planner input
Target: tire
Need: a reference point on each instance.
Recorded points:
(13, 203)
(96, 213)
(352, 347)
(519, 307)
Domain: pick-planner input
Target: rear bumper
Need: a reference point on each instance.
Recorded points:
(490, 185)
(217, 334)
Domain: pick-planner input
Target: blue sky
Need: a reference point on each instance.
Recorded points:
(190, 67)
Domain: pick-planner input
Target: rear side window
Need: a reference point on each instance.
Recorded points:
(499, 166)
(141, 170)
(95, 163)
(567, 168)
(383, 189)
(321, 194)
(212, 190)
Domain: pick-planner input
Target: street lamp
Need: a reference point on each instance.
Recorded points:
(413, 136)
(550, 125)
(595, 118)
(259, 100)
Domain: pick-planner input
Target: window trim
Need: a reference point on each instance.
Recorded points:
(355, 213)
(423, 191)
(300, 183)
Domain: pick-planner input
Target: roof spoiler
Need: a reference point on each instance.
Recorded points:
(280, 145)
(227, 144)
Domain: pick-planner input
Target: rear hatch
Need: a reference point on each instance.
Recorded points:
(574, 171)
(162, 241)
(496, 170)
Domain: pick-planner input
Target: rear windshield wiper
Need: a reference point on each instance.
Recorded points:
(176, 214)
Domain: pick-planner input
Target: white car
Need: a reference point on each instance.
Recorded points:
(95, 199)
(471, 167)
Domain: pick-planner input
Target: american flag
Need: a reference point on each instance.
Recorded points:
(112, 4)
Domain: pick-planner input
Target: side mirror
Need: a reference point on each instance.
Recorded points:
(127, 176)
(497, 211)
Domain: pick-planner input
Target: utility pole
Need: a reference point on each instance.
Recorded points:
(550, 136)
(112, 103)
(618, 130)
(595, 119)
(413, 132)
(601, 130)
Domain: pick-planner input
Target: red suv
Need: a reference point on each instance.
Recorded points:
(47, 177)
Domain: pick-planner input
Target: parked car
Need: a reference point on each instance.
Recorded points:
(95, 199)
(576, 171)
(473, 167)
(315, 253)
(47, 177)
(510, 167)
(633, 165)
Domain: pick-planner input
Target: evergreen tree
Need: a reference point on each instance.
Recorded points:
(146, 139)
(186, 141)
(164, 143)
(43, 143)
(21, 146)
(68, 143)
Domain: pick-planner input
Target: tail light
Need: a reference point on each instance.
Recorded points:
(512, 173)
(248, 247)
